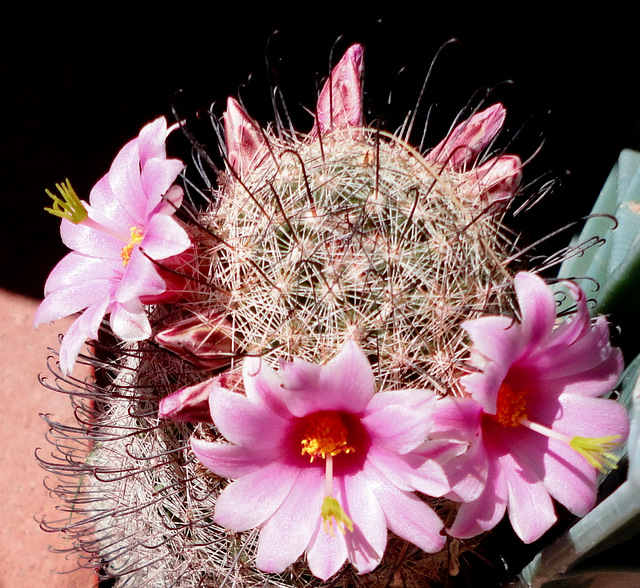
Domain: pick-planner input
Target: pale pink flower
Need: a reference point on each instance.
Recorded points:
(115, 240)
(337, 468)
(536, 427)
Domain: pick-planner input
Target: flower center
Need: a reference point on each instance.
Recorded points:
(512, 406)
(325, 434)
(71, 208)
(136, 237)
(512, 412)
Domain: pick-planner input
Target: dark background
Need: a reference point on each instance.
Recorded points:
(76, 88)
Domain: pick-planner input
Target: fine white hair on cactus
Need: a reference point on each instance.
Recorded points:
(305, 241)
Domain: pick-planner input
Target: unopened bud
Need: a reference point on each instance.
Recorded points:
(340, 101)
(495, 180)
(204, 340)
(188, 405)
(246, 146)
(466, 141)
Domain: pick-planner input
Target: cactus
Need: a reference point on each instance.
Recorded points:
(307, 241)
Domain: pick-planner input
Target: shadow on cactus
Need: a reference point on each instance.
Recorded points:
(287, 418)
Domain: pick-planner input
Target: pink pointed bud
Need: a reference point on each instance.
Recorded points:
(469, 138)
(202, 340)
(190, 404)
(496, 180)
(340, 101)
(246, 146)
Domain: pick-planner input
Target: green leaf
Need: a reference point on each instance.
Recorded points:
(614, 263)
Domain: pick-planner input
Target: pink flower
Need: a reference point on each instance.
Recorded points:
(114, 239)
(336, 469)
(534, 423)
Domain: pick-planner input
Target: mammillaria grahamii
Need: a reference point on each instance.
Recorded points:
(290, 419)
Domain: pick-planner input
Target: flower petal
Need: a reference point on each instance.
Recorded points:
(264, 490)
(367, 542)
(326, 554)
(157, 177)
(228, 461)
(486, 511)
(140, 278)
(530, 507)
(401, 419)
(164, 238)
(262, 384)
(71, 299)
(244, 422)
(497, 344)
(129, 321)
(569, 478)
(296, 520)
(90, 241)
(537, 307)
(76, 267)
(85, 327)
(345, 383)
(408, 516)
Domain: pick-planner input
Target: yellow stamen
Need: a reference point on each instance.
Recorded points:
(71, 207)
(325, 435)
(136, 237)
(332, 513)
(511, 407)
(598, 451)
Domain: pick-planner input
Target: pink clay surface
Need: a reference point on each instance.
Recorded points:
(25, 557)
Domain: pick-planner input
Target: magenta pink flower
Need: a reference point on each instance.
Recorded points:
(535, 425)
(114, 239)
(336, 469)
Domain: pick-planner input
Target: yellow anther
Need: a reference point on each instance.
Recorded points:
(136, 237)
(325, 434)
(511, 407)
